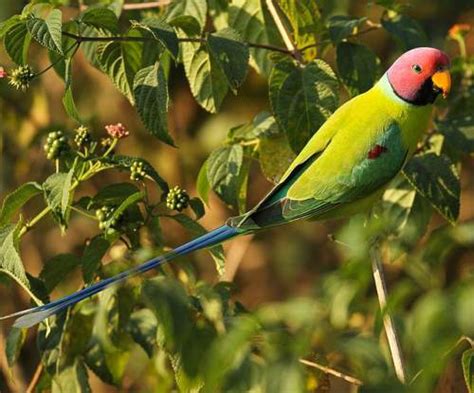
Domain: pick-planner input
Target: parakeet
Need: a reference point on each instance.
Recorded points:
(342, 170)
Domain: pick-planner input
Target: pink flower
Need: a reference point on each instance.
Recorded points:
(3, 73)
(117, 131)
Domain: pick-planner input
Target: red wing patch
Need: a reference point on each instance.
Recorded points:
(376, 151)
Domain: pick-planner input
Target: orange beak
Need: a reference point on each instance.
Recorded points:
(442, 80)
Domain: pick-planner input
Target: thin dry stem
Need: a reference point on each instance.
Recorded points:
(327, 370)
(235, 256)
(35, 379)
(389, 325)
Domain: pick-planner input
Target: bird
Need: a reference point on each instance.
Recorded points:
(343, 169)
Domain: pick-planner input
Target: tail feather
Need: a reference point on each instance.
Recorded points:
(32, 316)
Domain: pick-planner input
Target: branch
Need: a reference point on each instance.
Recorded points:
(389, 325)
(234, 257)
(331, 371)
(284, 32)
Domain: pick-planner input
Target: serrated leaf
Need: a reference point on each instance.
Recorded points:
(17, 42)
(251, 19)
(8, 24)
(114, 194)
(161, 32)
(92, 257)
(121, 61)
(16, 199)
(217, 252)
(73, 379)
(151, 97)
(142, 328)
(270, 148)
(224, 170)
(262, 125)
(48, 32)
(436, 178)
(57, 268)
(195, 8)
(302, 98)
(206, 78)
(468, 369)
(128, 202)
(58, 195)
(406, 30)
(342, 26)
(357, 66)
(458, 132)
(125, 162)
(231, 54)
(100, 18)
(15, 339)
(305, 20)
(10, 260)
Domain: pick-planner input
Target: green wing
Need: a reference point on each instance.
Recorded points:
(368, 172)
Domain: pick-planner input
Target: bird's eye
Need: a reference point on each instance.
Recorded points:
(417, 68)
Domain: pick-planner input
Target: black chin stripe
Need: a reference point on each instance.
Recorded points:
(426, 95)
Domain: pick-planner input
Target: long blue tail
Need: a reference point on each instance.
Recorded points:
(32, 316)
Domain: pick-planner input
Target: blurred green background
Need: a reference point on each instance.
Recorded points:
(299, 260)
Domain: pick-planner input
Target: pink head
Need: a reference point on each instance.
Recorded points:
(419, 75)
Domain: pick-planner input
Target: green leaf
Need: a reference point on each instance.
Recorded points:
(73, 379)
(458, 132)
(357, 66)
(271, 147)
(121, 61)
(92, 257)
(151, 97)
(68, 99)
(261, 126)
(202, 184)
(161, 32)
(124, 162)
(436, 178)
(468, 369)
(17, 42)
(7, 24)
(15, 339)
(10, 260)
(142, 328)
(100, 18)
(206, 77)
(57, 269)
(252, 20)
(114, 194)
(128, 202)
(224, 169)
(198, 207)
(58, 195)
(169, 302)
(48, 32)
(406, 30)
(217, 252)
(97, 358)
(342, 26)
(195, 8)
(231, 54)
(302, 98)
(306, 23)
(16, 199)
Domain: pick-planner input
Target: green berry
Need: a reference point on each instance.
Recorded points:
(82, 137)
(56, 144)
(104, 215)
(137, 171)
(177, 199)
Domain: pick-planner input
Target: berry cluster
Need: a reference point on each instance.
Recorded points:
(82, 137)
(21, 77)
(137, 172)
(56, 144)
(177, 199)
(104, 215)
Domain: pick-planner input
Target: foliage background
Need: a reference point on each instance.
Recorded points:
(313, 295)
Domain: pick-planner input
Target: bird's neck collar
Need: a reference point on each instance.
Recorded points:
(386, 87)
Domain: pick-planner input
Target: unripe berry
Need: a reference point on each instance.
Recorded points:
(137, 172)
(177, 199)
(21, 77)
(82, 137)
(56, 144)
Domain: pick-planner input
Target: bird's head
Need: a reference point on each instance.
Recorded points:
(420, 75)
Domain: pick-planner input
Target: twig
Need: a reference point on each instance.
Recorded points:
(234, 257)
(389, 325)
(36, 377)
(284, 32)
(137, 6)
(331, 371)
